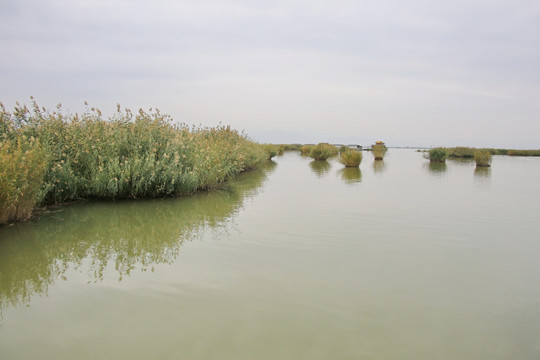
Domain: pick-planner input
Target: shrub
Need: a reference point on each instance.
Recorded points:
(482, 157)
(436, 155)
(323, 151)
(343, 148)
(351, 158)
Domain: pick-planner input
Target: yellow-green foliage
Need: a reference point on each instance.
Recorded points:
(461, 152)
(291, 147)
(351, 158)
(272, 150)
(379, 150)
(323, 151)
(523, 152)
(306, 149)
(482, 157)
(436, 155)
(22, 165)
(127, 156)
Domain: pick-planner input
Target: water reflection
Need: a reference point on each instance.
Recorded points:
(320, 168)
(482, 175)
(131, 235)
(351, 175)
(378, 166)
(436, 168)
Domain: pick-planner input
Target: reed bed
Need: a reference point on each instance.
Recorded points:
(351, 158)
(48, 157)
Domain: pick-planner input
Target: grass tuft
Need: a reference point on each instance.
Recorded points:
(351, 158)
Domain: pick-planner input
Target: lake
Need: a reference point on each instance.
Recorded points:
(297, 260)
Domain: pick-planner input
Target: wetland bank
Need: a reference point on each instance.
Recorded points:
(396, 259)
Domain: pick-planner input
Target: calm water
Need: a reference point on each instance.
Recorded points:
(299, 260)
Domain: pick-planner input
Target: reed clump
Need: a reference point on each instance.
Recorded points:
(482, 158)
(129, 155)
(351, 158)
(436, 155)
(323, 151)
(305, 150)
(379, 150)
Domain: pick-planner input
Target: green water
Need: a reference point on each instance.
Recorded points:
(298, 260)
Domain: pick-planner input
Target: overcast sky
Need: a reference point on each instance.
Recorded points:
(417, 73)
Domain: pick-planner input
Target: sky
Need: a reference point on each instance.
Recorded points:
(410, 73)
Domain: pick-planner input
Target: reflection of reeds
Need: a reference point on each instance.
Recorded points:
(437, 167)
(482, 171)
(129, 235)
(320, 168)
(351, 175)
(378, 166)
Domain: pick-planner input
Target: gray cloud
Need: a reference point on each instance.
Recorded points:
(413, 73)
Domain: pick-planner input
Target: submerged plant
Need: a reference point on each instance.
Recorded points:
(436, 155)
(482, 158)
(351, 158)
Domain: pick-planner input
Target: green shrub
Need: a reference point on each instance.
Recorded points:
(343, 148)
(436, 155)
(323, 151)
(351, 158)
(482, 157)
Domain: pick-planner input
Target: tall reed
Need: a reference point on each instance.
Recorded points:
(129, 155)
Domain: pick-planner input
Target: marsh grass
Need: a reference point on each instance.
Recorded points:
(436, 155)
(129, 155)
(323, 151)
(482, 158)
(351, 158)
